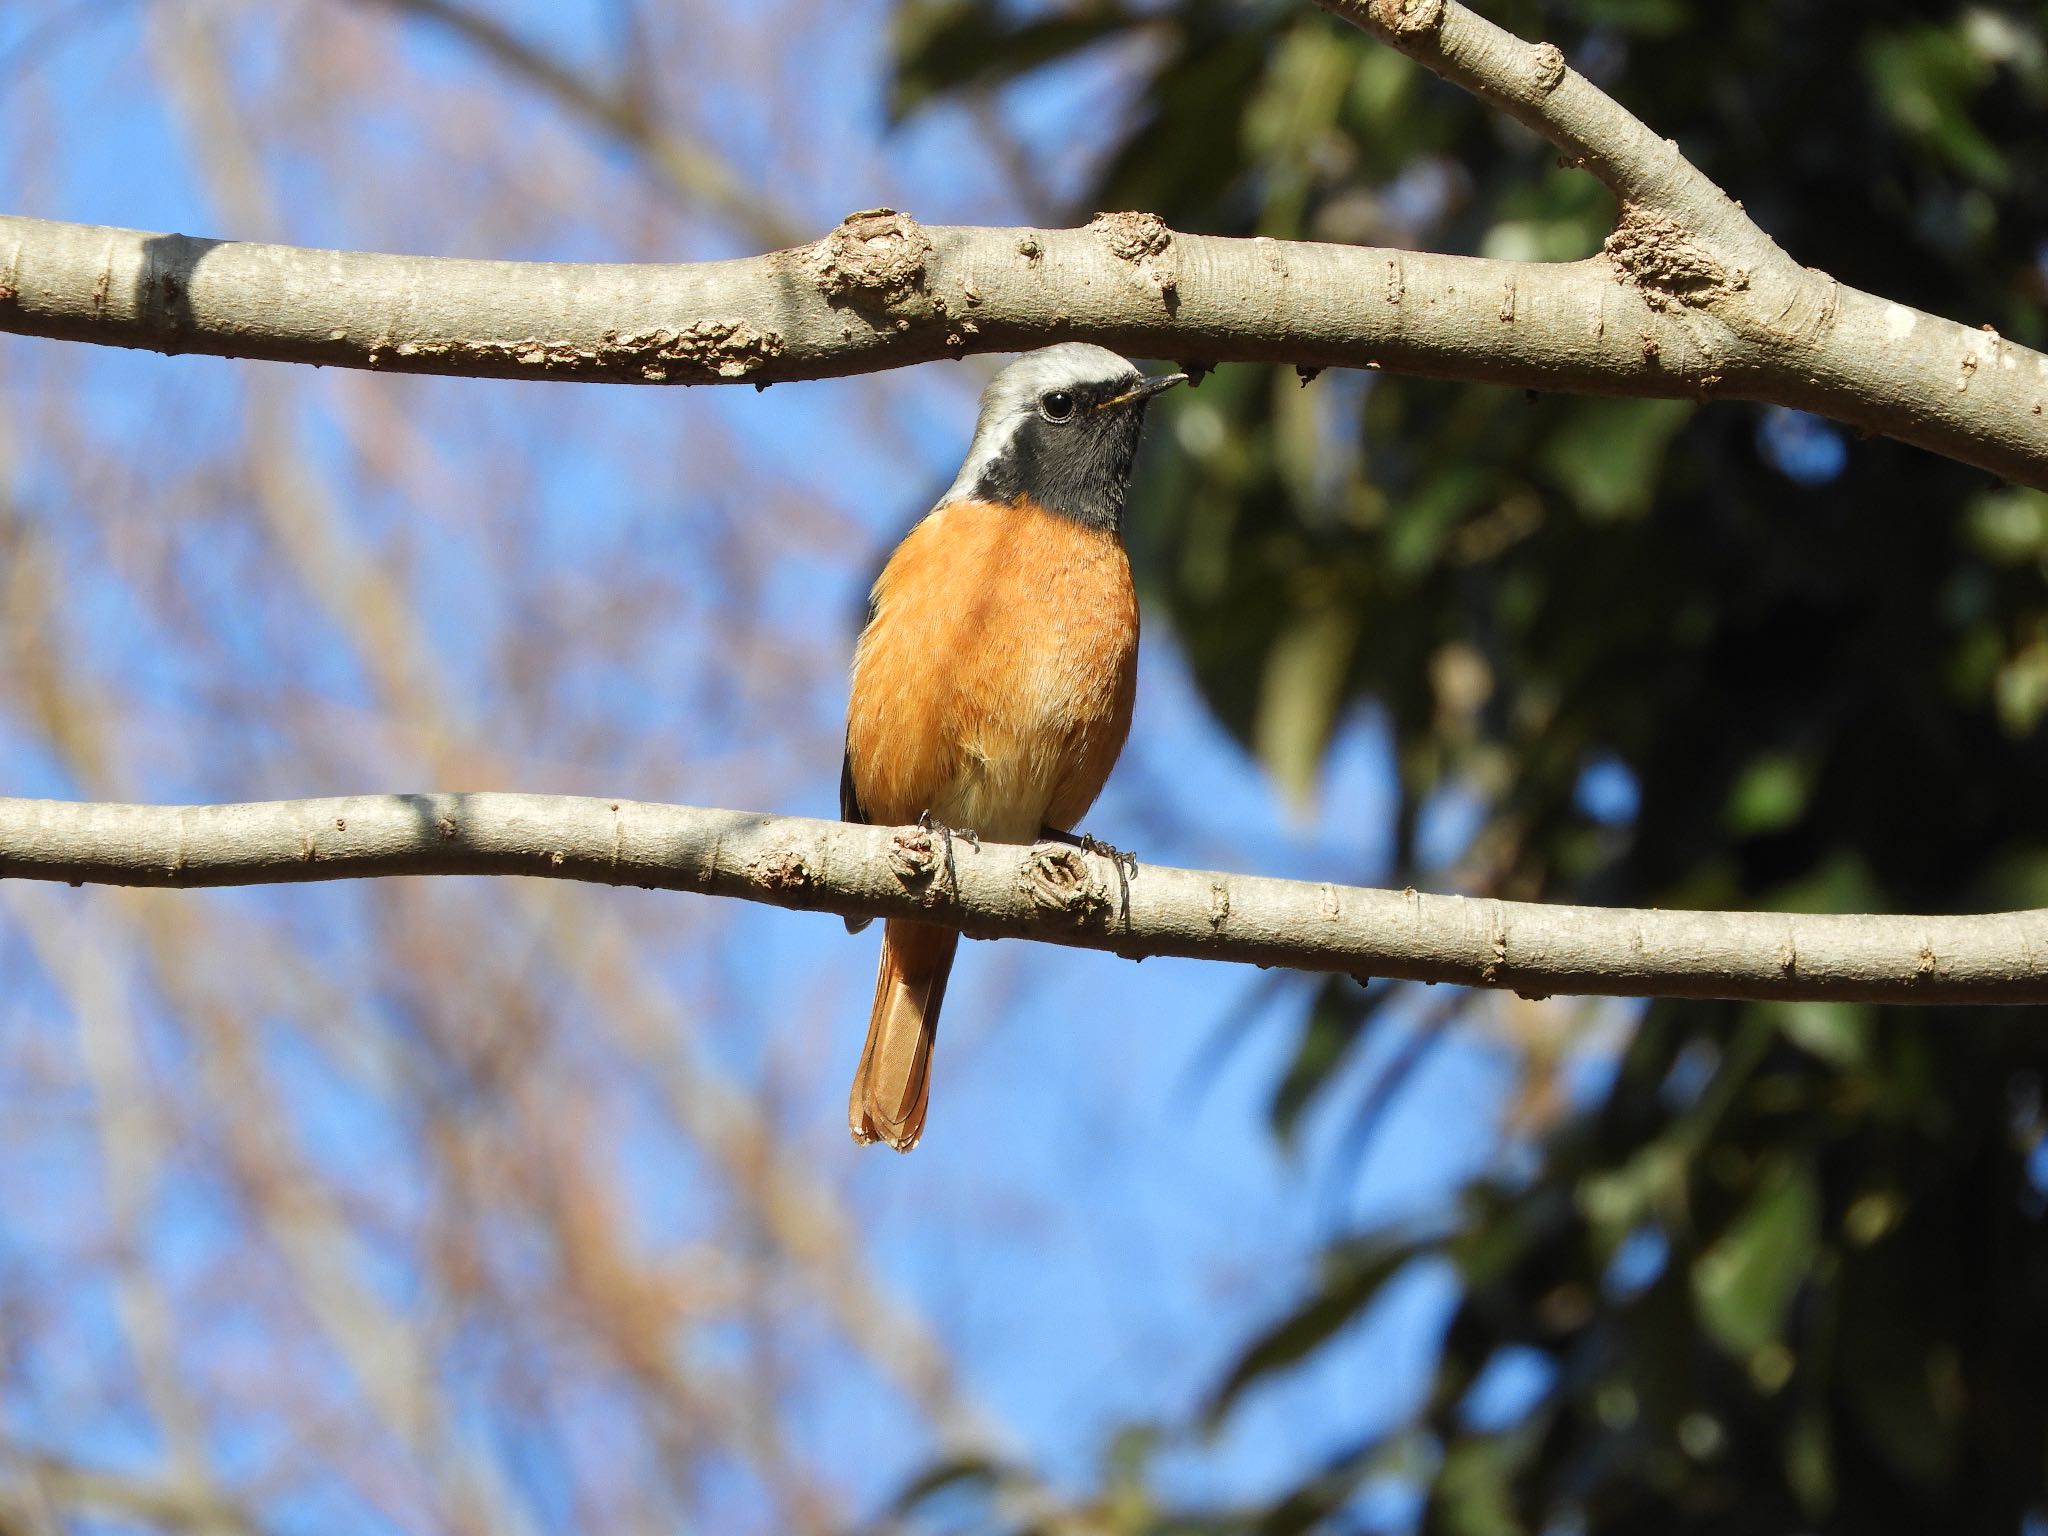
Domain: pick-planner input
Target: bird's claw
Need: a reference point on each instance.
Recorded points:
(1124, 860)
(927, 822)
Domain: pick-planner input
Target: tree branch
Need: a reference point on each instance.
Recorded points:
(1048, 892)
(1645, 318)
(1531, 83)
(1788, 334)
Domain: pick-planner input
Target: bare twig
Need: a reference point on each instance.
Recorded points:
(1531, 83)
(157, 1504)
(1049, 892)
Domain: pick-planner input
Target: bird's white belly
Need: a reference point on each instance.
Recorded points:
(1001, 798)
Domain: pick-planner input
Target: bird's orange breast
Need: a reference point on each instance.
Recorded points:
(994, 682)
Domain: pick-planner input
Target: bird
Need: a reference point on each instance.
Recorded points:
(993, 682)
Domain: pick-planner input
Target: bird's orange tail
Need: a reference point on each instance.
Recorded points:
(893, 1082)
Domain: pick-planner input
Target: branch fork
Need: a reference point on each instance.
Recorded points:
(1689, 298)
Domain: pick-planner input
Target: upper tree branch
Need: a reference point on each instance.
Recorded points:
(1790, 334)
(1048, 892)
(1656, 314)
(1532, 84)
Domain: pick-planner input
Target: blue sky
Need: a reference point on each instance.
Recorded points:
(1098, 1216)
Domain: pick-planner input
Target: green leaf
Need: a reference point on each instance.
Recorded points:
(1334, 1020)
(1744, 1283)
(941, 45)
(1353, 1274)
(1310, 1504)
(1650, 1183)
(1474, 1488)
(2020, 689)
(2010, 525)
(1928, 79)
(1809, 1460)
(1607, 454)
(1127, 1496)
(1842, 884)
(1301, 693)
(969, 1474)
(1423, 522)
(1838, 1033)
(1900, 1372)
(1769, 797)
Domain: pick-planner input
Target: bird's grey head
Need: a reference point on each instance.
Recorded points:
(1060, 427)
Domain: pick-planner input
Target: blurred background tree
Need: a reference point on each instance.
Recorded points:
(1787, 1268)
(466, 1206)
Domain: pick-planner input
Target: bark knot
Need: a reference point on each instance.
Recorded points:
(1057, 879)
(876, 256)
(1144, 243)
(782, 869)
(1496, 953)
(1663, 258)
(1219, 907)
(1546, 67)
(1407, 15)
(913, 858)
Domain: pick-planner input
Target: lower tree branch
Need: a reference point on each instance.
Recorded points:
(1049, 892)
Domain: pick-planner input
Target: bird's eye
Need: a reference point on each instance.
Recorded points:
(1056, 405)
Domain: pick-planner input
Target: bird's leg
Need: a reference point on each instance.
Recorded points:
(1087, 842)
(927, 822)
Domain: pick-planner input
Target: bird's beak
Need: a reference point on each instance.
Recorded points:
(1145, 390)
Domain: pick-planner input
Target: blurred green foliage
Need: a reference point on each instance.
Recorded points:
(1791, 1270)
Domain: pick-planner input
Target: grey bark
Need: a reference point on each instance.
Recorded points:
(1786, 333)
(1688, 298)
(1048, 892)
(1648, 317)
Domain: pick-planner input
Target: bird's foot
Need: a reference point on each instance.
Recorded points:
(1122, 858)
(1087, 842)
(1126, 863)
(927, 822)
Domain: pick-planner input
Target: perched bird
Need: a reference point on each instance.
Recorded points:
(992, 686)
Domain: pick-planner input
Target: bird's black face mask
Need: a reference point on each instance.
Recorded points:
(1073, 454)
